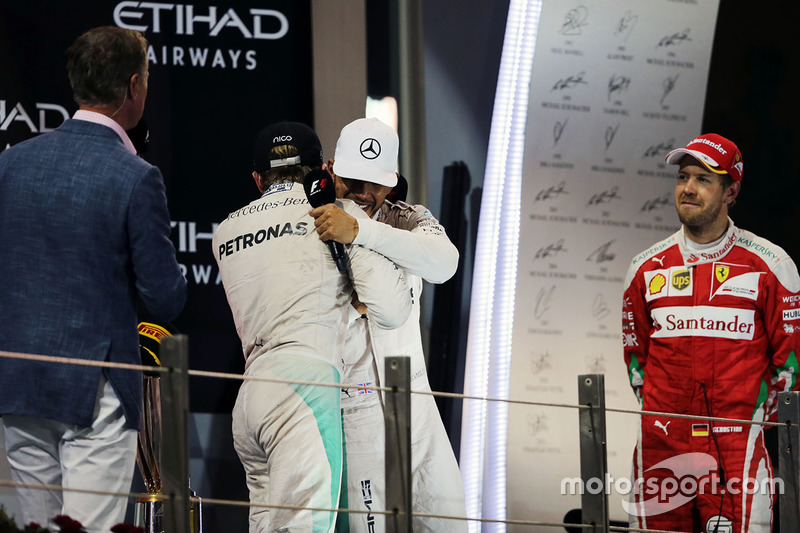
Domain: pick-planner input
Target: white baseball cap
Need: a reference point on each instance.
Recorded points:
(367, 151)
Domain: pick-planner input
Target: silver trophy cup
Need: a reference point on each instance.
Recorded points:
(149, 510)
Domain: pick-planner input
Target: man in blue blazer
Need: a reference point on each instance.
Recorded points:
(84, 233)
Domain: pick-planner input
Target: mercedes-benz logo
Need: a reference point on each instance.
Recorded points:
(370, 148)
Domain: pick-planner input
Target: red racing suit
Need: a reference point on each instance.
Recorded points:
(711, 331)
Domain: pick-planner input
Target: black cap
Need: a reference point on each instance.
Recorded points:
(399, 192)
(294, 134)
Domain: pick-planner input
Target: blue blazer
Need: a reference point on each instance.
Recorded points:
(84, 230)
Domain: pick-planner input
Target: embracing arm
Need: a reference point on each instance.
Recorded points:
(413, 239)
(380, 286)
(379, 283)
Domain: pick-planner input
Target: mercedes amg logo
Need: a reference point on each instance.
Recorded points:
(370, 148)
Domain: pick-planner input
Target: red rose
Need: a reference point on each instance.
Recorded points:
(127, 528)
(68, 525)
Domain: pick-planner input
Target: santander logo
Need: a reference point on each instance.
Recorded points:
(717, 146)
(704, 321)
(706, 257)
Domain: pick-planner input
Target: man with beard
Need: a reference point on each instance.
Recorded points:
(364, 170)
(710, 328)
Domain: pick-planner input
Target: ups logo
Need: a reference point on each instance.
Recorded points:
(681, 280)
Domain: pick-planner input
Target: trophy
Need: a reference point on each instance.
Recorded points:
(149, 509)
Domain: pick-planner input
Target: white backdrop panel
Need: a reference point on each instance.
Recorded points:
(615, 85)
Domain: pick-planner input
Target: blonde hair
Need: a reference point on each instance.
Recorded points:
(294, 173)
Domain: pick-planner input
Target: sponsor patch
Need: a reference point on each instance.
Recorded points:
(791, 314)
(721, 272)
(153, 331)
(247, 240)
(734, 280)
(699, 430)
(657, 285)
(681, 280)
(693, 258)
(703, 321)
(653, 251)
(757, 246)
(629, 340)
(719, 524)
(673, 281)
(278, 187)
(366, 494)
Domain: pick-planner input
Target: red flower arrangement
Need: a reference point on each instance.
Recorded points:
(65, 525)
(68, 525)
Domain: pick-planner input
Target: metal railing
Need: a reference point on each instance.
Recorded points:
(591, 406)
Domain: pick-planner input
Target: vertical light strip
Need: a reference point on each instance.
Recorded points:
(485, 426)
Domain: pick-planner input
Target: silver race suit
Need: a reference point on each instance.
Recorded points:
(413, 239)
(289, 305)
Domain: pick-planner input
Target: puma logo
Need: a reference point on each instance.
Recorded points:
(660, 261)
(658, 424)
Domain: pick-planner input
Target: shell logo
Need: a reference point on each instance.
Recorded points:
(657, 284)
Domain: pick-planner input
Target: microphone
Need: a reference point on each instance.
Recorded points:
(320, 190)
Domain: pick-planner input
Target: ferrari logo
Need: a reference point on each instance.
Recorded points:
(721, 272)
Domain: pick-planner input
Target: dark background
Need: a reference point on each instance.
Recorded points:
(202, 122)
(752, 100)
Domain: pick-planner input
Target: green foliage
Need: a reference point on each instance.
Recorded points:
(8, 525)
